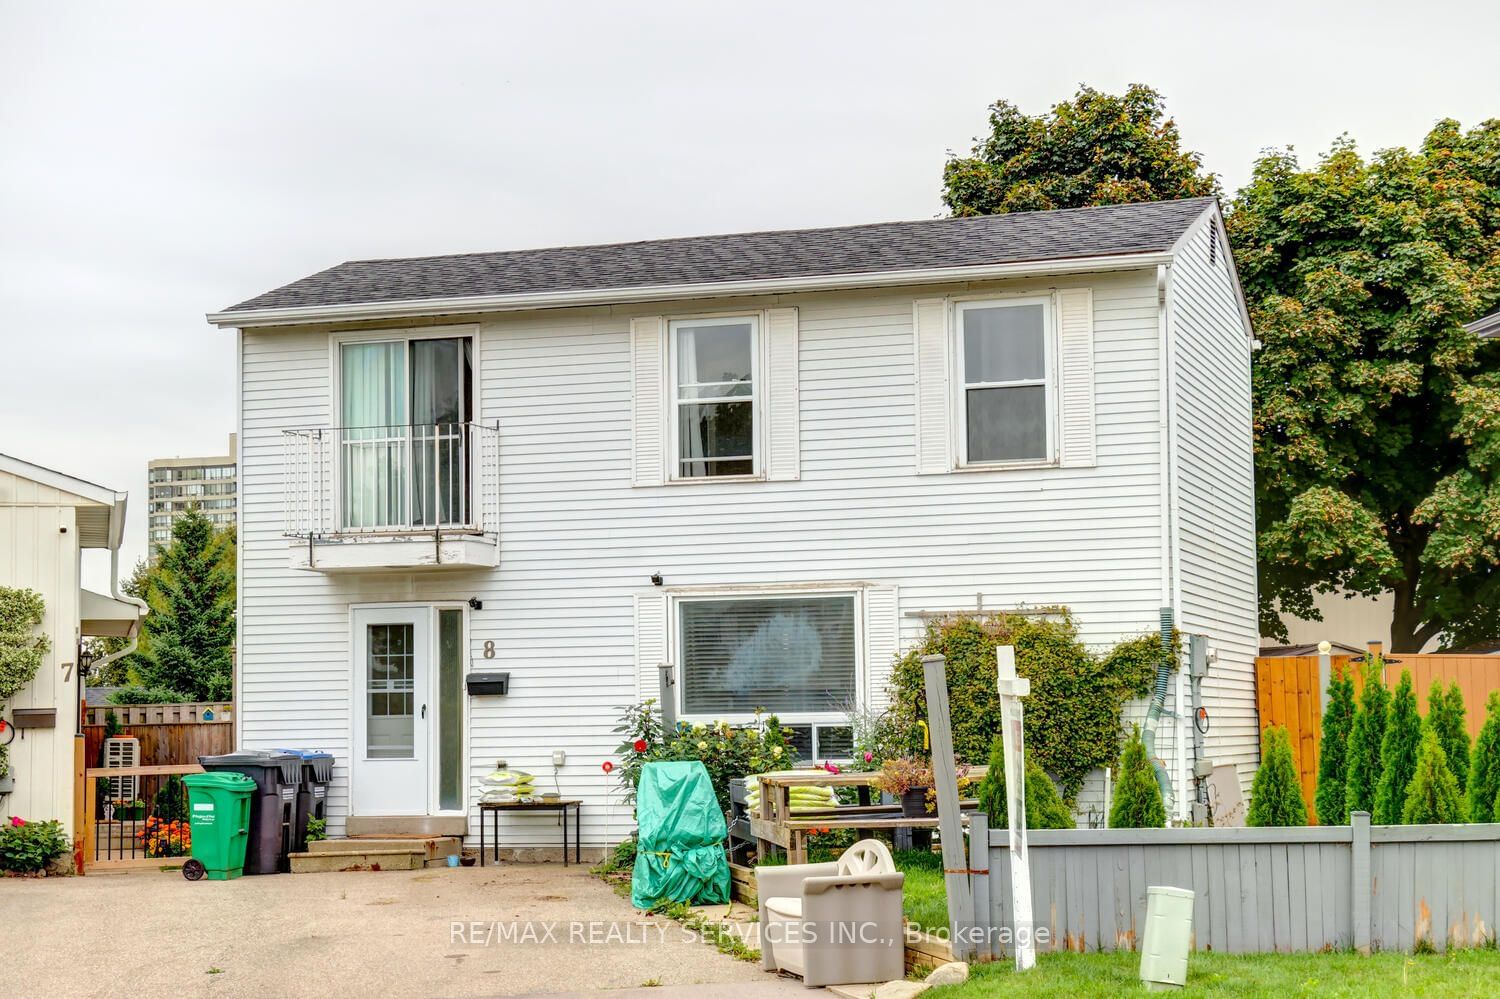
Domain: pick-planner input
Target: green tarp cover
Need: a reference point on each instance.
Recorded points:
(680, 847)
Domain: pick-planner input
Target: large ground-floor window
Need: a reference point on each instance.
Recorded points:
(794, 656)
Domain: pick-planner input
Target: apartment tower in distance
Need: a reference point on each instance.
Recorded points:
(176, 484)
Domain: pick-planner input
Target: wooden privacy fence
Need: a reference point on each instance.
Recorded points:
(1290, 690)
(169, 734)
(1256, 890)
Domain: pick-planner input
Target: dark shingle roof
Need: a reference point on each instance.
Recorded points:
(1486, 326)
(887, 246)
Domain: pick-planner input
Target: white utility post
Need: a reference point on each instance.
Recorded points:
(1012, 689)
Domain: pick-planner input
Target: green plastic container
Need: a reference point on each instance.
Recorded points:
(219, 810)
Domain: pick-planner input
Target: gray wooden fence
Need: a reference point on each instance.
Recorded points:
(1295, 889)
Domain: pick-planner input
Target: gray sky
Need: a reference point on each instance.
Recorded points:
(159, 161)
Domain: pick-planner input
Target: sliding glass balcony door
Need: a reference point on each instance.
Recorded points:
(405, 406)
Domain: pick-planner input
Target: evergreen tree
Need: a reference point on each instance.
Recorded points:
(1276, 796)
(190, 630)
(1433, 795)
(1484, 766)
(1365, 736)
(1398, 753)
(1445, 713)
(1333, 750)
(1044, 806)
(1137, 803)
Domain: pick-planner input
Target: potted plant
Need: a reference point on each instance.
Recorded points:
(908, 779)
(132, 811)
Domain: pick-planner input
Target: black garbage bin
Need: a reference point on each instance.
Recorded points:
(312, 794)
(273, 806)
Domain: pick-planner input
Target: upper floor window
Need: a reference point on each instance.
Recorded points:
(714, 368)
(1005, 362)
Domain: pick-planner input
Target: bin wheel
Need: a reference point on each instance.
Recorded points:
(192, 869)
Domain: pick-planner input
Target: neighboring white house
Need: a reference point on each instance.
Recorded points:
(763, 459)
(46, 520)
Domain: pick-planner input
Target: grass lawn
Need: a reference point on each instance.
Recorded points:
(1460, 973)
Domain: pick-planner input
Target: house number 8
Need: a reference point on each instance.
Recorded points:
(489, 649)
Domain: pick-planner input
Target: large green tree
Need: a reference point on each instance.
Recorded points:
(1097, 149)
(1377, 416)
(188, 645)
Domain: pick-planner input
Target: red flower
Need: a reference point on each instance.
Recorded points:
(608, 766)
(640, 745)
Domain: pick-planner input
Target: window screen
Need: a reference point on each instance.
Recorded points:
(715, 407)
(741, 655)
(1005, 382)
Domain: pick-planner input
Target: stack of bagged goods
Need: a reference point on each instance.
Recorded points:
(803, 797)
(506, 785)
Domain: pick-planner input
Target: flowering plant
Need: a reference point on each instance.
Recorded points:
(726, 751)
(165, 838)
(28, 847)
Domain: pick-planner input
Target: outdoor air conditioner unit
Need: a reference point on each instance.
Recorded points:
(122, 751)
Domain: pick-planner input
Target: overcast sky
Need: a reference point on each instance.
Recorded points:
(159, 161)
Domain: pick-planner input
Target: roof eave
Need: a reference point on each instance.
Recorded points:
(363, 311)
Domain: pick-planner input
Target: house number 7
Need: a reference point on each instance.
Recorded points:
(489, 649)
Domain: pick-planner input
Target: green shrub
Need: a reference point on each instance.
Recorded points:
(1445, 713)
(28, 847)
(1433, 795)
(317, 829)
(1484, 766)
(1365, 737)
(726, 752)
(1073, 712)
(21, 649)
(170, 803)
(1276, 795)
(1137, 803)
(1333, 750)
(1398, 754)
(146, 695)
(1044, 807)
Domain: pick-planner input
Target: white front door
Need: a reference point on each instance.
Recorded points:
(392, 667)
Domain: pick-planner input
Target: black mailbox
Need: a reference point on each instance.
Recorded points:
(488, 683)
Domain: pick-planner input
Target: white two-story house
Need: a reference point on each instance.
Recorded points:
(753, 465)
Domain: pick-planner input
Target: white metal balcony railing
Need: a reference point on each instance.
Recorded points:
(434, 478)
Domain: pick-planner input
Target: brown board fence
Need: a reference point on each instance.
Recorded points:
(1289, 691)
(165, 745)
(1258, 890)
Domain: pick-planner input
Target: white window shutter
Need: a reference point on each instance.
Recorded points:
(648, 372)
(650, 643)
(934, 404)
(1075, 309)
(882, 642)
(782, 404)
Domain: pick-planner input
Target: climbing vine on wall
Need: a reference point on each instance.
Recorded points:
(1073, 720)
(21, 649)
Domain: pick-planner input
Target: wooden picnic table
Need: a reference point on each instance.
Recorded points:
(774, 823)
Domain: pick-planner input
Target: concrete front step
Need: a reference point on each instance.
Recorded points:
(434, 850)
(356, 860)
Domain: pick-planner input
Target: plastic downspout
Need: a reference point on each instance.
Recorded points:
(1158, 708)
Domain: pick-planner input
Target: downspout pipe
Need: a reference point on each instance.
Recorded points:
(1158, 707)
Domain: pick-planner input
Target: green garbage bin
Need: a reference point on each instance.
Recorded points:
(219, 813)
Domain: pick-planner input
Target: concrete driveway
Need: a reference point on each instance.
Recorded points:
(512, 930)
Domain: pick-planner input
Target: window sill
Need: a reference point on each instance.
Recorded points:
(711, 479)
(1006, 466)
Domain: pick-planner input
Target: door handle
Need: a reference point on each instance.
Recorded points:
(424, 711)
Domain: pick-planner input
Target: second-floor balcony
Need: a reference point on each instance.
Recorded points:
(396, 497)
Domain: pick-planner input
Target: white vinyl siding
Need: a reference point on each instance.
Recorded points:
(578, 543)
(1214, 523)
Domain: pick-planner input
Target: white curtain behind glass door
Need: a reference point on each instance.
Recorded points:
(372, 402)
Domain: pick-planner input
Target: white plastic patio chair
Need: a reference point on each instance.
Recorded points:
(835, 923)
